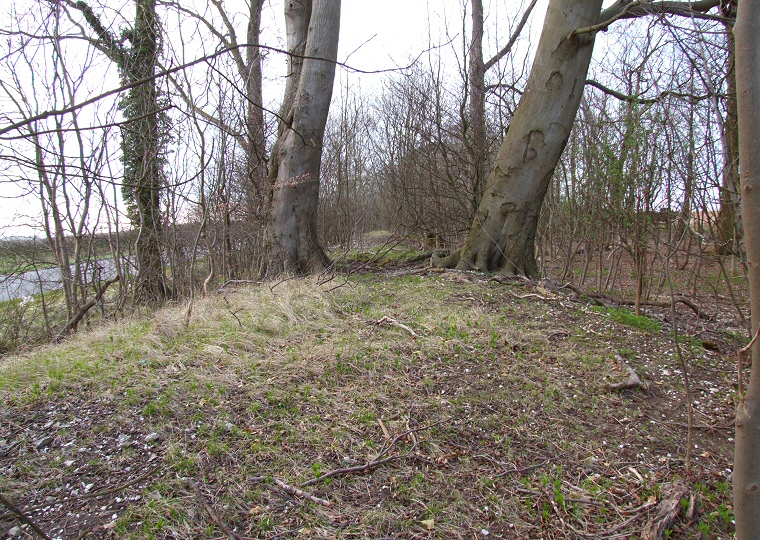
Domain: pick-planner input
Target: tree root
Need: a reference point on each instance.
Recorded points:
(633, 380)
(449, 261)
(605, 300)
(667, 512)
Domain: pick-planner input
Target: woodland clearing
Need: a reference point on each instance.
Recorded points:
(402, 402)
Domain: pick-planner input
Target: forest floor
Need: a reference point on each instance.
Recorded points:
(393, 403)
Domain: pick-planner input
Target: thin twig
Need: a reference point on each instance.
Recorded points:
(22, 516)
(272, 287)
(350, 470)
(531, 467)
(382, 426)
(301, 493)
(210, 511)
(376, 462)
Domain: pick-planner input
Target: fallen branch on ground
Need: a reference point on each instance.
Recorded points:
(667, 512)
(376, 462)
(394, 322)
(301, 493)
(22, 516)
(633, 380)
(210, 511)
(528, 295)
(238, 282)
(605, 300)
(82, 312)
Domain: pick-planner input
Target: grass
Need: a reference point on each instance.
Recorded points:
(512, 425)
(629, 318)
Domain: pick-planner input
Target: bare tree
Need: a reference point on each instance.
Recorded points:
(475, 134)
(746, 478)
(312, 37)
(136, 54)
(502, 236)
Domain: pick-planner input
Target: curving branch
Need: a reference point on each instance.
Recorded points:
(627, 9)
(513, 38)
(642, 100)
(106, 41)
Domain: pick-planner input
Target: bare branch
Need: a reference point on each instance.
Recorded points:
(642, 100)
(107, 42)
(169, 71)
(626, 9)
(508, 47)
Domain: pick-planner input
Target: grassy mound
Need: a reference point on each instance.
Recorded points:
(474, 409)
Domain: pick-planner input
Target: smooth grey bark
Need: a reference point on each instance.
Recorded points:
(746, 477)
(292, 243)
(502, 235)
(250, 70)
(476, 143)
(256, 154)
(475, 130)
(503, 232)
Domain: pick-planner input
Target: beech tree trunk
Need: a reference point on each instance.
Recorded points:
(746, 478)
(503, 232)
(292, 243)
(476, 142)
(256, 153)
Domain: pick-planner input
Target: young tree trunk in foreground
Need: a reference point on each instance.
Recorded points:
(503, 232)
(292, 242)
(746, 477)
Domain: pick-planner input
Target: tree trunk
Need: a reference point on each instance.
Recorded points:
(727, 226)
(256, 157)
(475, 135)
(141, 142)
(503, 232)
(746, 478)
(292, 242)
(476, 145)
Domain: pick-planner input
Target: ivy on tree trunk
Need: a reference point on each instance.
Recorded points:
(143, 136)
